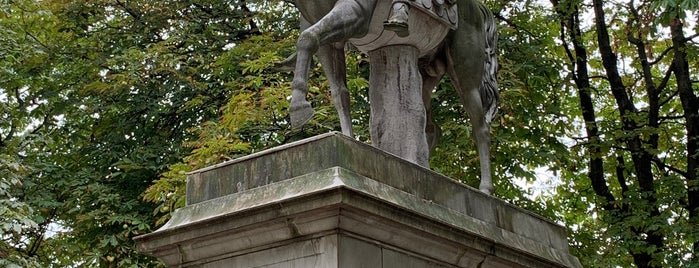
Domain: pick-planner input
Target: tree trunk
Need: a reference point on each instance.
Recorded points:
(570, 18)
(690, 105)
(642, 159)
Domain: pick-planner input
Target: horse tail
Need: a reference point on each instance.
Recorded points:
(490, 94)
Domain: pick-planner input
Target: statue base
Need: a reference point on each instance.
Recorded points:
(330, 201)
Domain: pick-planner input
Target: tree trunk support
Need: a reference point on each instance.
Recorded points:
(397, 123)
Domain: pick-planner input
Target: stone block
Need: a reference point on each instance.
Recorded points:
(330, 201)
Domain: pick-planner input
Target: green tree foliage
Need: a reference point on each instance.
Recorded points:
(638, 201)
(27, 115)
(106, 105)
(101, 96)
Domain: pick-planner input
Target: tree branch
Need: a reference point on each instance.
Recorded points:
(13, 127)
(666, 118)
(662, 165)
(514, 25)
(621, 178)
(571, 58)
(666, 78)
(669, 98)
(130, 11)
(662, 55)
(651, 90)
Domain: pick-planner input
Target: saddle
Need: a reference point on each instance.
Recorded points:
(443, 10)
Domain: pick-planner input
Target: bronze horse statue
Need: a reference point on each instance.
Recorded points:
(466, 53)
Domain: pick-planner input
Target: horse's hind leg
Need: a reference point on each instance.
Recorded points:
(466, 54)
(471, 100)
(332, 58)
(466, 77)
(481, 135)
(347, 19)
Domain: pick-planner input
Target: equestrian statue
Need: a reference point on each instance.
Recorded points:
(413, 44)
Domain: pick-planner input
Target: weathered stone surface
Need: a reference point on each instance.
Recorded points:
(330, 201)
(397, 121)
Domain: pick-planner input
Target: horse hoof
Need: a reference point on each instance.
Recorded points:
(300, 114)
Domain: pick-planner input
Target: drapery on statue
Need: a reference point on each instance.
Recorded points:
(466, 54)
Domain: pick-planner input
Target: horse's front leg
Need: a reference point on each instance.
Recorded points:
(347, 19)
(300, 109)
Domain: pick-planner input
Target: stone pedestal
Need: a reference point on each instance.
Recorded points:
(330, 201)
